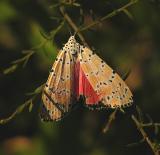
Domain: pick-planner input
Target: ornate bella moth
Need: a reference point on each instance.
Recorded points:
(78, 71)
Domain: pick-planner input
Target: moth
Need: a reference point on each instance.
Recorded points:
(78, 71)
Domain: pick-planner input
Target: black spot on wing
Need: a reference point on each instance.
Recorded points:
(60, 107)
(96, 106)
(44, 114)
(51, 70)
(46, 85)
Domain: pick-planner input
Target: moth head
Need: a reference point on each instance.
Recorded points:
(72, 46)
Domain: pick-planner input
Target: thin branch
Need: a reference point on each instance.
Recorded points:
(16, 63)
(72, 24)
(29, 102)
(28, 53)
(113, 13)
(110, 121)
(78, 31)
(145, 136)
(150, 124)
(17, 111)
(136, 143)
(113, 114)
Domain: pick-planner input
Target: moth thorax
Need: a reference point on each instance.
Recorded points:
(72, 46)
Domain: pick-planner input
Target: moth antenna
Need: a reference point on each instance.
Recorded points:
(69, 29)
(75, 33)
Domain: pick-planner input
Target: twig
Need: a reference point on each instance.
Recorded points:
(72, 24)
(16, 63)
(29, 102)
(113, 114)
(136, 143)
(113, 13)
(150, 124)
(17, 111)
(145, 136)
(110, 121)
(78, 31)
(28, 53)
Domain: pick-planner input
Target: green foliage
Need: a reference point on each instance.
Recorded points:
(7, 11)
(128, 14)
(10, 69)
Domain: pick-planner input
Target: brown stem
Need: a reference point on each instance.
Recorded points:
(110, 121)
(17, 111)
(113, 13)
(145, 136)
(150, 124)
(72, 24)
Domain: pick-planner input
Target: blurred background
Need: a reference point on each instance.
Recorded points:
(125, 41)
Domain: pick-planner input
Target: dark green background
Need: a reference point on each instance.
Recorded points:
(122, 42)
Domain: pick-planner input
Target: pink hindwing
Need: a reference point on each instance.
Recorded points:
(107, 85)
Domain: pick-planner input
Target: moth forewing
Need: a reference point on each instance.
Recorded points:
(59, 92)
